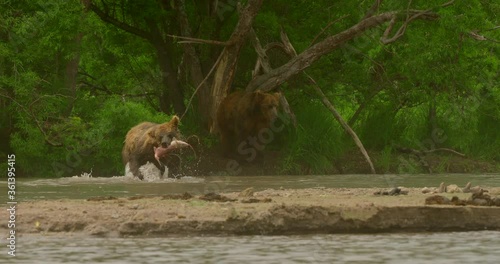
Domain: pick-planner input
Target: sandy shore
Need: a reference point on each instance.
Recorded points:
(269, 212)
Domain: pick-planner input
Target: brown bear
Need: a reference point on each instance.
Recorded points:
(142, 141)
(245, 121)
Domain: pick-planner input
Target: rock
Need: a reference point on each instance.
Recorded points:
(255, 200)
(482, 194)
(476, 189)
(453, 188)
(248, 192)
(437, 199)
(495, 201)
(426, 190)
(466, 189)
(98, 230)
(457, 201)
(479, 202)
(215, 197)
(403, 190)
(395, 191)
(442, 188)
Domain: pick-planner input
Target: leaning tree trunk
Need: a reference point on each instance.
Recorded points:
(226, 68)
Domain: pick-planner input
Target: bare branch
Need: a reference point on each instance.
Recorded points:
(327, 26)
(189, 40)
(279, 75)
(476, 36)
(199, 86)
(373, 9)
(106, 17)
(40, 128)
(262, 60)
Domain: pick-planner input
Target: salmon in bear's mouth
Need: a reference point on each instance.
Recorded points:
(162, 151)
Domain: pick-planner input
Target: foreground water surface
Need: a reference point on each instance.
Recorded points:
(465, 247)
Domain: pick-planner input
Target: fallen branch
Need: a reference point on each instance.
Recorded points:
(424, 152)
(342, 122)
(329, 105)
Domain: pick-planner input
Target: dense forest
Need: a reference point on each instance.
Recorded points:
(382, 81)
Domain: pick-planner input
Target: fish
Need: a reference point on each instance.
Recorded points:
(162, 151)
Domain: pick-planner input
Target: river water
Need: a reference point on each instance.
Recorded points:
(465, 247)
(85, 186)
(451, 247)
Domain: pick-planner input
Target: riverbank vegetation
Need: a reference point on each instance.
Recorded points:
(407, 79)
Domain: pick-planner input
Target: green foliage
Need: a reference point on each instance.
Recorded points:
(88, 146)
(312, 147)
(57, 129)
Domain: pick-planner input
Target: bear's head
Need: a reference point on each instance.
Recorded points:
(165, 133)
(266, 104)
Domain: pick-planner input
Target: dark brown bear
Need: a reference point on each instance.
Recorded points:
(140, 143)
(244, 120)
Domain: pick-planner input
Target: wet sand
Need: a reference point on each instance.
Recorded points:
(268, 212)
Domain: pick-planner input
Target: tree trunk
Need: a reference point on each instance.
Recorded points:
(193, 61)
(171, 93)
(224, 73)
(71, 74)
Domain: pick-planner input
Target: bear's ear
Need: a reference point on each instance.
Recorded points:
(174, 123)
(277, 95)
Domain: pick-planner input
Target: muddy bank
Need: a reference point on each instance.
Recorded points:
(269, 212)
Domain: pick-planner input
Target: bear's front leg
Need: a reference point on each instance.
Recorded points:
(161, 167)
(134, 166)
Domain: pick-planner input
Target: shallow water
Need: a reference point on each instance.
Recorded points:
(465, 247)
(84, 186)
